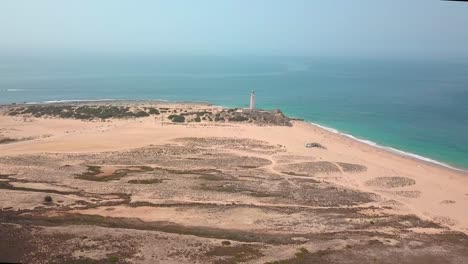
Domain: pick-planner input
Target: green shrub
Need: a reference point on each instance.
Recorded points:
(141, 114)
(203, 113)
(66, 114)
(113, 259)
(238, 118)
(177, 118)
(197, 119)
(153, 111)
(47, 199)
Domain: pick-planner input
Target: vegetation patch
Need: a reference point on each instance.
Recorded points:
(147, 181)
(315, 145)
(391, 182)
(244, 144)
(141, 114)
(293, 173)
(153, 111)
(92, 112)
(309, 168)
(5, 140)
(349, 167)
(95, 173)
(238, 118)
(5, 176)
(200, 113)
(201, 172)
(308, 180)
(303, 256)
(113, 259)
(162, 226)
(84, 112)
(218, 118)
(177, 118)
(8, 186)
(239, 188)
(47, 199)
(211, 177)
(90, 174)
(235, 254)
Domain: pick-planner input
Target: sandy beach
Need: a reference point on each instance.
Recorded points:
(220, 187)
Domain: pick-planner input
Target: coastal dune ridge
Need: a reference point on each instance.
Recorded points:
(165, 181)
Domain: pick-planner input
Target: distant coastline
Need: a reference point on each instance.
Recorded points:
(300, 119)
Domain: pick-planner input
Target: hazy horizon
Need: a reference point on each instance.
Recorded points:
(368, 28)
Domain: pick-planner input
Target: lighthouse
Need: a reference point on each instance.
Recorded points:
(252, 100)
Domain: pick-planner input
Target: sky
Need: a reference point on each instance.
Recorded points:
(225, 27)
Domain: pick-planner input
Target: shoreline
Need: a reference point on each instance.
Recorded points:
(401, 153)
(389, 149)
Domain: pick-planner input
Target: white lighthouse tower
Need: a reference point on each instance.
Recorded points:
(252, 100)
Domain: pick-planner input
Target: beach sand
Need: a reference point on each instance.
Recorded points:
(147, 190)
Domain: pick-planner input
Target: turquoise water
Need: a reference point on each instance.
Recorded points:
(418, 106)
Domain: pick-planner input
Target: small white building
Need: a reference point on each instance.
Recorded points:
(252, 100)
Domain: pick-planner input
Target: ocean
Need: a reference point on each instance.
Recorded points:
(416, 106)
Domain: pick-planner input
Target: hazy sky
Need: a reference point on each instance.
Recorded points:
(263, 27)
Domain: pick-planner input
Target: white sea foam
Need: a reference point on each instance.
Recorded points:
(13, 90)
(393, 150)
(73, 101)
(92, 100)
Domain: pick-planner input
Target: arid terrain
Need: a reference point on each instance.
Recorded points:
(151, 182)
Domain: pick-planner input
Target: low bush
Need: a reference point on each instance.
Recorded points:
(47, 199)
(5, 140)
(113, 259)
(153, 111)
(141, 114)
(177, 118)
(238, 118)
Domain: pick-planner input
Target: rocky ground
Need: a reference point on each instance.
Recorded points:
(206, 200)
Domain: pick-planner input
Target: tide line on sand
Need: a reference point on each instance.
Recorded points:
(393, 150)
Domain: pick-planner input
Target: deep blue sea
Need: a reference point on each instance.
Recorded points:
(417, 106)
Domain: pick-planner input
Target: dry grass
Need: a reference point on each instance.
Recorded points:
(235, 254)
